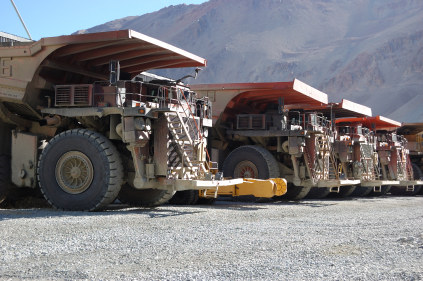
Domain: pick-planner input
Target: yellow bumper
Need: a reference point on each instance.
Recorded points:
(258, 188)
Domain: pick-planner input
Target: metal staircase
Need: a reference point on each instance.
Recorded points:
(181, 144)
(319, 158)
(326, 149)
(186, 144)
(366, 154)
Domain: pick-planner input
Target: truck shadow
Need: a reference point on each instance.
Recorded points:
(313, 203)
(33, 213)
(39, 208)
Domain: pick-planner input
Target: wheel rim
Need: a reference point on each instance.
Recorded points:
(246, 169)
(74, 172)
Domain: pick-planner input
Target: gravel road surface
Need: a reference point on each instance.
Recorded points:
(354, 239)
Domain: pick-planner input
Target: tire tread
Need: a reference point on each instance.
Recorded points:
(114, 173)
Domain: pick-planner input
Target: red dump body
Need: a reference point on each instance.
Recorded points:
(235, 98)
(373, 123)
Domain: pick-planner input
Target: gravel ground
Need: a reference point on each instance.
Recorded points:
(354, 239)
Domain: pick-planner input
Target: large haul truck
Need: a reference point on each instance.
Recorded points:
(268, 130)
(413, 132)
(357, 149)
(347, 144)
(76, 120)
(393, 171)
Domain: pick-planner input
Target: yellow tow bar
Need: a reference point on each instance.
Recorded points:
(256, 187)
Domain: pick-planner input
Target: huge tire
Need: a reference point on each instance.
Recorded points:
(361, 191)
(4, 177)
(296, 192)
(251, 161)
(344, 191)
(185, 197)
(80, 170)
(401, 190)
(144, 197)
(318, 192)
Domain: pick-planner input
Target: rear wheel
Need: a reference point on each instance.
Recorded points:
(80, 170)
(144, 197)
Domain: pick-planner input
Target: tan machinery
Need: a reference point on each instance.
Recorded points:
(390, 170)
(413, 132)
(265, 130)
(346, 147)
(358, 150)
(76, 120)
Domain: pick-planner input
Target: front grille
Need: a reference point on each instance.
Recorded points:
(251, 122)
(74, 95)
(63, 95)
(82, 95)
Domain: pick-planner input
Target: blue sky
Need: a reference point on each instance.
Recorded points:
(45, 18)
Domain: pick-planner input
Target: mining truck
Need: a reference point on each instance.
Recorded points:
(78, 121)
(413, 133)
(346, 144)
(269, 130)
(394, 171)
(356, 150)
(394, 156)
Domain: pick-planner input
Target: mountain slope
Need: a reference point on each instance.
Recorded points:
(369, 51)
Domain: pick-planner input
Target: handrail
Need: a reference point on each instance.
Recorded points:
(198, 129)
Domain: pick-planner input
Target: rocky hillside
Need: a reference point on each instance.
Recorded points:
(369, 51)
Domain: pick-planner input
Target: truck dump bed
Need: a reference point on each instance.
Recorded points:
(345, 108)
(254, 97)
(29, 72)
(374, 123)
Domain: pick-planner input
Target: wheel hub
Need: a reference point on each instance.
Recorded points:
(246, 169)
(74, 172)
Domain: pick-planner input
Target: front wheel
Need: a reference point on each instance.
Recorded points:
(80, 170)
(362, 191)
(318, 193)
(296, 192)
(251, 161)
(185, 197)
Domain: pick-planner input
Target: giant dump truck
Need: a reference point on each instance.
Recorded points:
(269, 130)
(413, 133)
(390, 168)
(357, 152)
(346, 143)
(76, 121)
